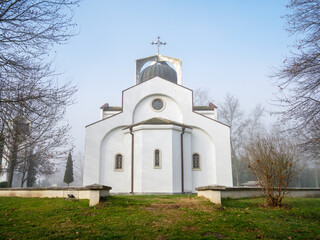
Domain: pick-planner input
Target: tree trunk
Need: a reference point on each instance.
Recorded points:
(12, 161)
(12, 165)
(31, 172)
(1, 144)
(237, 172)
(235, 164)
(316, 175)
(23, 179)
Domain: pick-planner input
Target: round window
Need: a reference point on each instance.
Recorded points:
(157, 104)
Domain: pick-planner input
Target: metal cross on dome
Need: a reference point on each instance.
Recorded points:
(158, 43)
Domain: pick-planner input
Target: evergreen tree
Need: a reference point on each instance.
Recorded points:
(68, 175)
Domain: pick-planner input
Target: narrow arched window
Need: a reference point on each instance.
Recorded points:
(118, 162)
(157, 158)
(196, 161)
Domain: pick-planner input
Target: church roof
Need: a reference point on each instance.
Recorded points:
(110, 108)
(159, 69)
(158, 121)
(106, 107)
(199, 108)
(210, 107)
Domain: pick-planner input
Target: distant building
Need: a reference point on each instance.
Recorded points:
(157, 141)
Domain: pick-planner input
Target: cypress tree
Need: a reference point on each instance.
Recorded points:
(68, 175)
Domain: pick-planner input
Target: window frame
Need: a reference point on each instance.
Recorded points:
(199, 162)
(154, 159)
(163, 102)
(115, 163)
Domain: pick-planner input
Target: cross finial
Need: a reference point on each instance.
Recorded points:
(158, 43)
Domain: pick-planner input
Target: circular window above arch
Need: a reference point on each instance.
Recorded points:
(157, 104)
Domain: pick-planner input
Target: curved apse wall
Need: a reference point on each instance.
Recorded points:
(113, 144)
(203, 144)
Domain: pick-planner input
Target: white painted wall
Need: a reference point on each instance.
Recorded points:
(106, 114)
(187, 158)
(210, 114)
(176, 160)
(158, 137)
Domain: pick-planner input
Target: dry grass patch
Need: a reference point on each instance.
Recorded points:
(184, 203)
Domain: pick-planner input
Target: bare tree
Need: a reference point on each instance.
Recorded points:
(273, 161)
(201, 97)
(255, 126)
(231, 114)
(242, 129)
(299, 76)
(1, 146)
(46, 137)
(28, 30)
(28, 91)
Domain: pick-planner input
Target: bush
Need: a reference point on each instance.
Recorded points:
(3, 184)
(274, 162)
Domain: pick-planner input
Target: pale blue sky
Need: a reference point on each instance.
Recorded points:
(227, 46)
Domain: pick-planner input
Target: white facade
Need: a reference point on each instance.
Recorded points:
(140, 129)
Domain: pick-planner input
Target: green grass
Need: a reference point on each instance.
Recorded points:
(158, 217)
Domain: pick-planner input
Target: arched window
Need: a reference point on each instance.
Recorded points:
(118, 162)
(196, 161)
(157, 158)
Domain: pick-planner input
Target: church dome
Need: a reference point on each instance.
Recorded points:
(159, 69)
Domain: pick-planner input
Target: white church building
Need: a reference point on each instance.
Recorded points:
(157, 141)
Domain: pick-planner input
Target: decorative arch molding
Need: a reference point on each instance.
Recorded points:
(145, 105)
(109, 132)
(110, 141)
(203, 131)
(205, 147)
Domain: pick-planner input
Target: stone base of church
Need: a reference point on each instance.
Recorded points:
(92, 192)
(216, 192)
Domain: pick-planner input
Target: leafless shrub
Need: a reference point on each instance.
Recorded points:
(273, 161)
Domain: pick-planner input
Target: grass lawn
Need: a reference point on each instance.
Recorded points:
(158, 217)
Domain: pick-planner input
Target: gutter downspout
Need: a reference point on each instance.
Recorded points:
(182, 177)
(132, 158)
